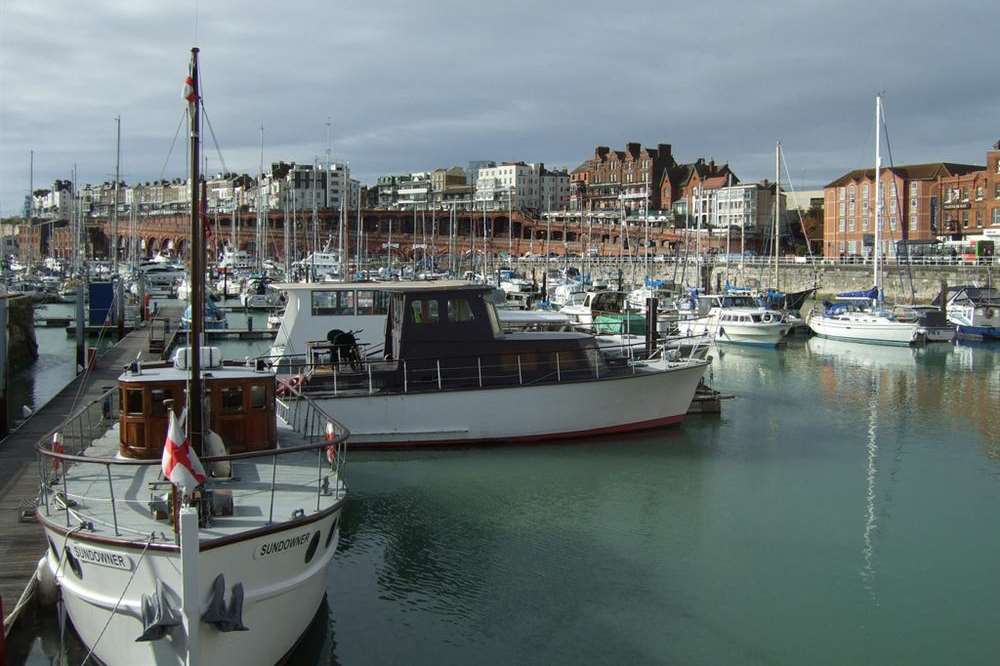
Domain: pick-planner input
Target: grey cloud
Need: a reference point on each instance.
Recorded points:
(415, 86)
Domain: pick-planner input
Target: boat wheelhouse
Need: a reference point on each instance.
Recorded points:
(445, 372)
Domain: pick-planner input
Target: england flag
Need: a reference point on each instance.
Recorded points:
(180, 463)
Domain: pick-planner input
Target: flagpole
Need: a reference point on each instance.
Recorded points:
(197, 264)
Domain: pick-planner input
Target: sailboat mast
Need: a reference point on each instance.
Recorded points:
(197, 261)
(777, 206)
(878, 195)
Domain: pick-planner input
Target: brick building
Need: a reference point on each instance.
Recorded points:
(970, 202)
(633, 177)
(911, 207)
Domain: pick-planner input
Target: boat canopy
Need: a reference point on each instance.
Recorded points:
(870, 294)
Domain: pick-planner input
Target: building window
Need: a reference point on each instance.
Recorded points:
(842, 193)
(996, 217)
(892, 223)
(965, 218)
(841, 247)
(979, 218)
(996, 191)
(842, 208)
(913, 222)
(850, 224)
(851, 247)
(979, 193)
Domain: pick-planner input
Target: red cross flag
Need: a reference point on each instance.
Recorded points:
(180, 463)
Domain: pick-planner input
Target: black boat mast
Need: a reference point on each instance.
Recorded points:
(197, 269)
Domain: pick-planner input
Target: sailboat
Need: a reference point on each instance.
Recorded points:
(862, 316)
(230, 568)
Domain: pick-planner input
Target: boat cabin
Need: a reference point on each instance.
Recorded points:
(452, 328)
(239, 404)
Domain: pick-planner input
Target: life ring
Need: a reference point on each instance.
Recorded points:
(767, 318)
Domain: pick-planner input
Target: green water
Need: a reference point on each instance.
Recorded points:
(843, 510)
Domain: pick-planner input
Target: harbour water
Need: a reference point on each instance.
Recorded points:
(842, 510)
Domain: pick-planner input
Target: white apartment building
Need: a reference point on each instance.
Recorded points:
(54, 204)
(415, 192)
(523, 186)
(303, 186)
(747, 206)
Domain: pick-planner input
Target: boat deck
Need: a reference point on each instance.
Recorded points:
(263, 490)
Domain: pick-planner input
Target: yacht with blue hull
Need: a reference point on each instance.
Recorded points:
(445, 373)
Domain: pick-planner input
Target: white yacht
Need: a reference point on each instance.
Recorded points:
(862, 316)
(734, 319)
(444, 371)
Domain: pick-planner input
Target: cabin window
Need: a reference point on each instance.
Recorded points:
(372, 302)
(258, 396)
(332, 303)
(459, 310)
(425, 311)
(133, 401)
(232, 399)
(157, 397)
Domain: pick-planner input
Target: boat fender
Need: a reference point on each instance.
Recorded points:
(48, 588)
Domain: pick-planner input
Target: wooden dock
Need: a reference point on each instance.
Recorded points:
(22, 541)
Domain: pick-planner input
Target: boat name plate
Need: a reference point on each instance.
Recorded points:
(281, 545)
(104, 558)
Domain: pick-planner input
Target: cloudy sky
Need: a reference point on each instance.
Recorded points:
(417, 85)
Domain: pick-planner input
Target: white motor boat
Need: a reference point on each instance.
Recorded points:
(228, 566)
(449, 374)
(974, 310)
(259, 293)
(242, 585)
(736, 320)
(236, 260)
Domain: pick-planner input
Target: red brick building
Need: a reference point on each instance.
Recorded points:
(635, 174)
(911, 207)
(970, 202)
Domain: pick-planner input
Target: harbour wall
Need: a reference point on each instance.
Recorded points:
(828, 279)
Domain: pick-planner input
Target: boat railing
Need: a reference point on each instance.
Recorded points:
(88, 441)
